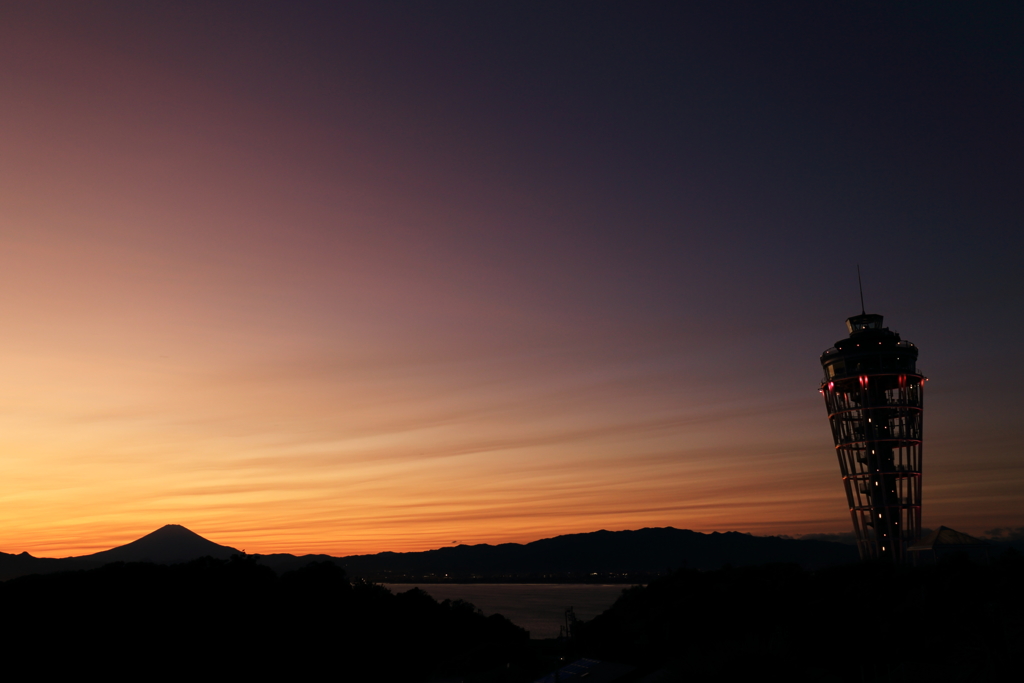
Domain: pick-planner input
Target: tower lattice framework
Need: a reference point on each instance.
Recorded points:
(874, 395)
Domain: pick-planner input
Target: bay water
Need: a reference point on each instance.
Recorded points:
(537, 607)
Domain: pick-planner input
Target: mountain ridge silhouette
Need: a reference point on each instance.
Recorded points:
(647, 550)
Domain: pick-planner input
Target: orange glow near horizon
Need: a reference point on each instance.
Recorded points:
(351, 454)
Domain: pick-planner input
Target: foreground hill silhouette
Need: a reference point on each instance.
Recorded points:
(236, 618)
(606, 555)
(953, 621)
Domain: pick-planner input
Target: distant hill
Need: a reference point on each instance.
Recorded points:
(12, 566)
(606, 552)
(569, 557)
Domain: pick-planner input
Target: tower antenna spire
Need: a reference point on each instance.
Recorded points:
(873, 394)
(861, 286)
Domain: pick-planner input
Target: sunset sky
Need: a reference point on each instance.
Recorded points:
(353, 277)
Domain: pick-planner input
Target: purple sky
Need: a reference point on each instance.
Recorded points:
(311, 277)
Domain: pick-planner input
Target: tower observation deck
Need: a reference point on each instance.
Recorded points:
(874, 395)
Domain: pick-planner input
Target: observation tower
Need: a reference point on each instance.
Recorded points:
(874, 395)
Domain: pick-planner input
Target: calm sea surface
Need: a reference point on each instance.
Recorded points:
(537, 607)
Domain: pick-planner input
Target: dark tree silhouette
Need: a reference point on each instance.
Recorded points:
(235, 616)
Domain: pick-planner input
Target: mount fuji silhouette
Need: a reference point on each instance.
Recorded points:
(169, 544)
